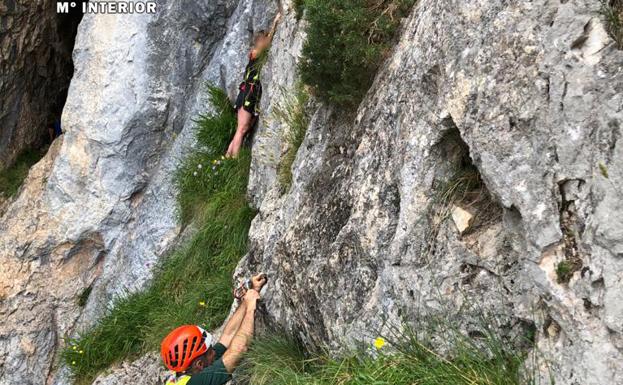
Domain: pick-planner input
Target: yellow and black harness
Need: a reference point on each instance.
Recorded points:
(251, 88)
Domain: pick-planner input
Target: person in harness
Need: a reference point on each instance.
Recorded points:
(250, 90)
(193, 355)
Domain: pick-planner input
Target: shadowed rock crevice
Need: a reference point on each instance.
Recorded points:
(459, 192)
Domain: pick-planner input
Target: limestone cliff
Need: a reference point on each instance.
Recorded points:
(523, 97)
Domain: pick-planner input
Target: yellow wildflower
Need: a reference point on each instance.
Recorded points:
(73, 362)
(75, 347)
(202, 303)
(379, 343)
(81, 352)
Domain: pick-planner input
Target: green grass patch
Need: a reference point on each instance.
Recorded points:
(12, 177)
(346, 43)
(612, 12)
(193, 285)
(293, 114)
(565, 270)
(405, 359)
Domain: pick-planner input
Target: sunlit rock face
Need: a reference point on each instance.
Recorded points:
(522, 98)
(527, 95)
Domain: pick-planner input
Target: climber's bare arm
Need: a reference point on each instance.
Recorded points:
(273, 28)
(233, 324)
(243, 336)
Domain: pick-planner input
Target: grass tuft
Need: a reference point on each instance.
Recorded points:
(12, 177)
(346, 43)
(193, 285)
(612, 12)
(407, 358)
(603, 170)
(83, 298)
(566, 268)
(293, 114)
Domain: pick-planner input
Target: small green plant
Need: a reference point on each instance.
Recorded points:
(84, 296)
(12, 177)
(193, 284)
(603, 170)
(565, 270)
(404, 359)
(346, 43)
(612, 12)
(293, 114)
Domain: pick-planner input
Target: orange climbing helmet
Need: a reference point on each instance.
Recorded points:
(183, 345)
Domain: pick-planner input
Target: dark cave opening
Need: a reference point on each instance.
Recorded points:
(67, 29)
(36, 69)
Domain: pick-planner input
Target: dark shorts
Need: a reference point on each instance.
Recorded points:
(249, 98)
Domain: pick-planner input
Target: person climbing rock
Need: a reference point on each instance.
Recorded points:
(193, 357)
(54, 129)
(250, 90)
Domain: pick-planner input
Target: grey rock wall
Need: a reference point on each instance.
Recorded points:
(532, 92)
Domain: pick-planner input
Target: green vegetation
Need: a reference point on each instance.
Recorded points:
(566, 268)
(299, 7)
(83, 298)
(11, 178)
(604, 170)
(292, 113)
(411, 359)
(346, 43)
(195, 180)
(564, 271)
(193, 285)
(612, 11)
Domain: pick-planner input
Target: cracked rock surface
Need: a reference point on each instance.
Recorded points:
(532, 92)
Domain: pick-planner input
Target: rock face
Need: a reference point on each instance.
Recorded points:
(510, 110)
(35, 70)
(99, 210)
(531, 92)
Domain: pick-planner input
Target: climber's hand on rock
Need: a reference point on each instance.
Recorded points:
(259, 281)
(250, 299)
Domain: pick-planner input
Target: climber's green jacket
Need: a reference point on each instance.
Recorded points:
(215, 374)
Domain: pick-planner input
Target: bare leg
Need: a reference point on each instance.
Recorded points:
(244, 123)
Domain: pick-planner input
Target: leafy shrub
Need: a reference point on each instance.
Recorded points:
(193, 285)
(346, 43)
